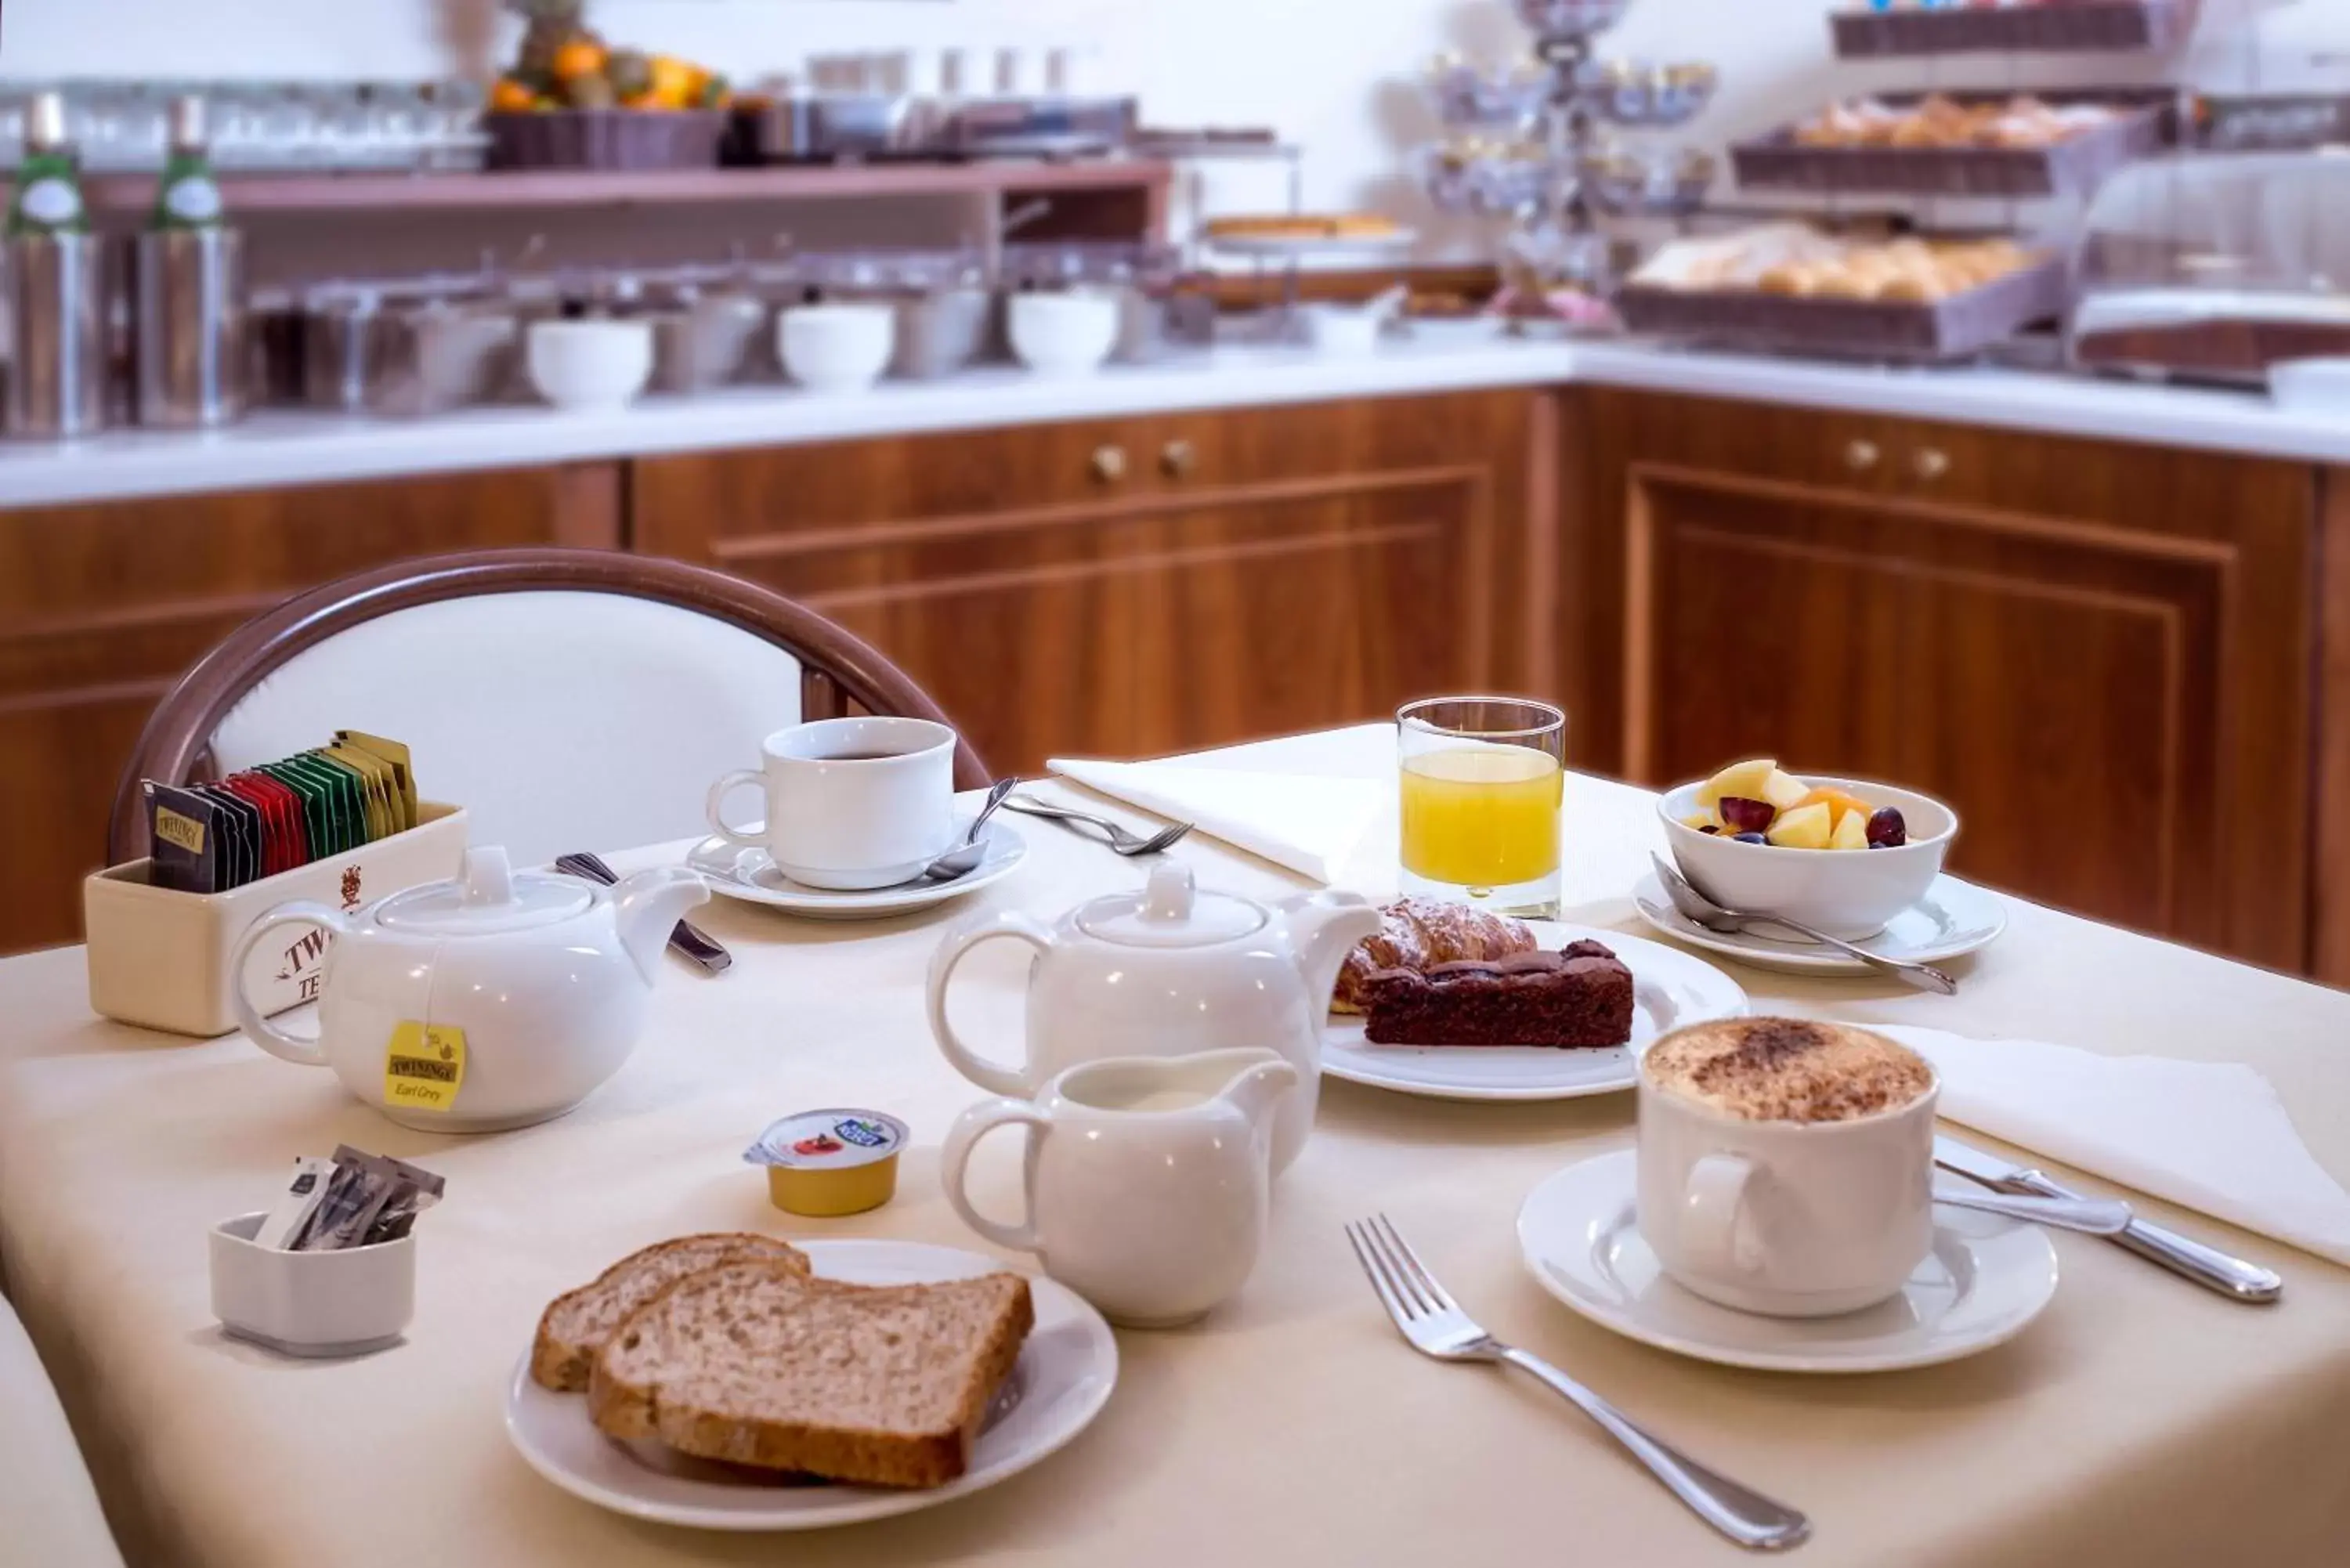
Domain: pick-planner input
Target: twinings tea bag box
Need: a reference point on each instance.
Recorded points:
(159, 958)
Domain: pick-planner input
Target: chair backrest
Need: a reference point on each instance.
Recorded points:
(568, 699)
(46, 1495)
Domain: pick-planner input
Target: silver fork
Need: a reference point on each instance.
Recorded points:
(1120, 841)
(1435, 1324)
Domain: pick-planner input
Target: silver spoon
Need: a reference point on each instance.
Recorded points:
(2090, 1216)
(1693, 902)
(965, 857)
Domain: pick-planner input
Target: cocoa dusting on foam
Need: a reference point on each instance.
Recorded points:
(1788, 1070)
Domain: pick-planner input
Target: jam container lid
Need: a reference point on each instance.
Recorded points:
(828, 1140)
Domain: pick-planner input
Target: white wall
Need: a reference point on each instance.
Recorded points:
(1334, 76)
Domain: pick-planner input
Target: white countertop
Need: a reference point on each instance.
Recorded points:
(279, 448)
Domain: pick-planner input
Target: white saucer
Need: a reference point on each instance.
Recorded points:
(1952, 919)
(750, 875)
(1060, 1382)
(1986, 1279)
(1669, 988)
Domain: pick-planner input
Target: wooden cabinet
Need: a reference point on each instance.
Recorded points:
(1138, 586)
(103, 606)
(2101, 655)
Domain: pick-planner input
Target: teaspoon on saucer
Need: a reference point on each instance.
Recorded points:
(965, 857)
(1703, 910)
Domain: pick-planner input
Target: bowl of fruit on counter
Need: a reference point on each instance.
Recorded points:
(1844, 855)
(572, 100)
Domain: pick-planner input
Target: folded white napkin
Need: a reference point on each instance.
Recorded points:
(2210, 1136)
(1309, 825)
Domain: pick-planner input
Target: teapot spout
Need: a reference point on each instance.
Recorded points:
(648, 906)
(1323, 930)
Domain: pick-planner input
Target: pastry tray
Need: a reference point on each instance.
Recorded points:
(2047, 27)
(1876, 330)
(1779, 162)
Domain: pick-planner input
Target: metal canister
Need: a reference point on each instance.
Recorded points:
(57, 309)
(191, 327)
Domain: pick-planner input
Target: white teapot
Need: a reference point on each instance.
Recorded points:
(1148, 1179)
(1170, 971)
(496, 1000)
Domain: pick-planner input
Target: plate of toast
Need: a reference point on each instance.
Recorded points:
(1459, 1003)
(739, 1382)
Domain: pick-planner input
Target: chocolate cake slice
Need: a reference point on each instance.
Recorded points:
(1578, 997)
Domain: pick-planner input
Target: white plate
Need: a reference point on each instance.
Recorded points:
(1060, 1382)
(750, 875)
(1669, 988)
(1985, 1280)
(1303, 247)
(1952, 919)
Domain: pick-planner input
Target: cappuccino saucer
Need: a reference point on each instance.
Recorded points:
(1986, 1279)
(750, 875)
(1951, 919)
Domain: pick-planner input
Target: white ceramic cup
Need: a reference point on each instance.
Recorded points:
(590, 364)
(840, 348)
(1785, 1219)
(1063, 334)
(852, 804)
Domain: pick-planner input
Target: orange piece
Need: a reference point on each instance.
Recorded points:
(579, 58)
(674, 82)
(511, 97)
(1838, 803)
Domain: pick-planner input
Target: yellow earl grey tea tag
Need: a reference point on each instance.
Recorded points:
(424, 1066)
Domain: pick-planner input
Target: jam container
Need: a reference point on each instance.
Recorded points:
(823, 1163)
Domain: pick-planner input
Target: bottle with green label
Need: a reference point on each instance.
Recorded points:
(48, 179)
(189, 197)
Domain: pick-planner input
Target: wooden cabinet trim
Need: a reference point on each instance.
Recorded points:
(1111, 508)
(2329, 957)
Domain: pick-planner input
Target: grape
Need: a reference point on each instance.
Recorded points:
(1744, 815)
(1886, 830)
(1752, 838)
(1709, 827)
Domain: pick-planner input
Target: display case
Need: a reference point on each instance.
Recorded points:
(2211, 268)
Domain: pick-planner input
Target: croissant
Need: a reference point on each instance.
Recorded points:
(1419, 933)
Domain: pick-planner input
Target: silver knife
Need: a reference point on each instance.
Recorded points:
(2207, 1266)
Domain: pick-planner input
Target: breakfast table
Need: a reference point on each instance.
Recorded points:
(2139, 1420)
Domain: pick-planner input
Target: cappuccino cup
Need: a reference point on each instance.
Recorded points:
(1785, 1166)
(852, 804)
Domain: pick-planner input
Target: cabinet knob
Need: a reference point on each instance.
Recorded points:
(1178, 459)
(1861, 456)
(1110, 464)
(1931, 463)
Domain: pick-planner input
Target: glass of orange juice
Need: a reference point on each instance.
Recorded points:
(1482, 779)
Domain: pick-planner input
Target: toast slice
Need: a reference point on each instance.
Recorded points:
(757, 1365)
(575, 1325)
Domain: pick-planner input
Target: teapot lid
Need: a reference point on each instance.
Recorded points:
(488, 897)
(1170, 913)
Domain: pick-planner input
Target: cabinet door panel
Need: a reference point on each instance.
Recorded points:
(1245, 574)
(2100, 653)
(103, 606)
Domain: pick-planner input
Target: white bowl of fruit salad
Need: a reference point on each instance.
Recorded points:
(1843, 855)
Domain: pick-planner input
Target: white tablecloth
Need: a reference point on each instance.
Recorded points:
(2140, 1421)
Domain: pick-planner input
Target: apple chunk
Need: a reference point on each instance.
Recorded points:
(1851, 830)
(1783, 790)
(1739, 778)
(1805, 827)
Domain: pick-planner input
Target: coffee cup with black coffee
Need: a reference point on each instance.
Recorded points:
(1786, 1164)
(852, 804)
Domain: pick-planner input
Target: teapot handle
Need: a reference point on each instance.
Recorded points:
(987, 1075)
(955, 1162)
(263, 1034)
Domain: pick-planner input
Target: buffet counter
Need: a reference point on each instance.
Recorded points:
(279, 448)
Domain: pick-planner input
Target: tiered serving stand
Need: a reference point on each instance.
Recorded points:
(1540, 149)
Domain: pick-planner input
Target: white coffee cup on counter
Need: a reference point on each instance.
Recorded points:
(836, 346)
(852, 804)
(1785, 1166)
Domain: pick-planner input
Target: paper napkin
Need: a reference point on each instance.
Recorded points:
(1309, 825)
(2210, 1136)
